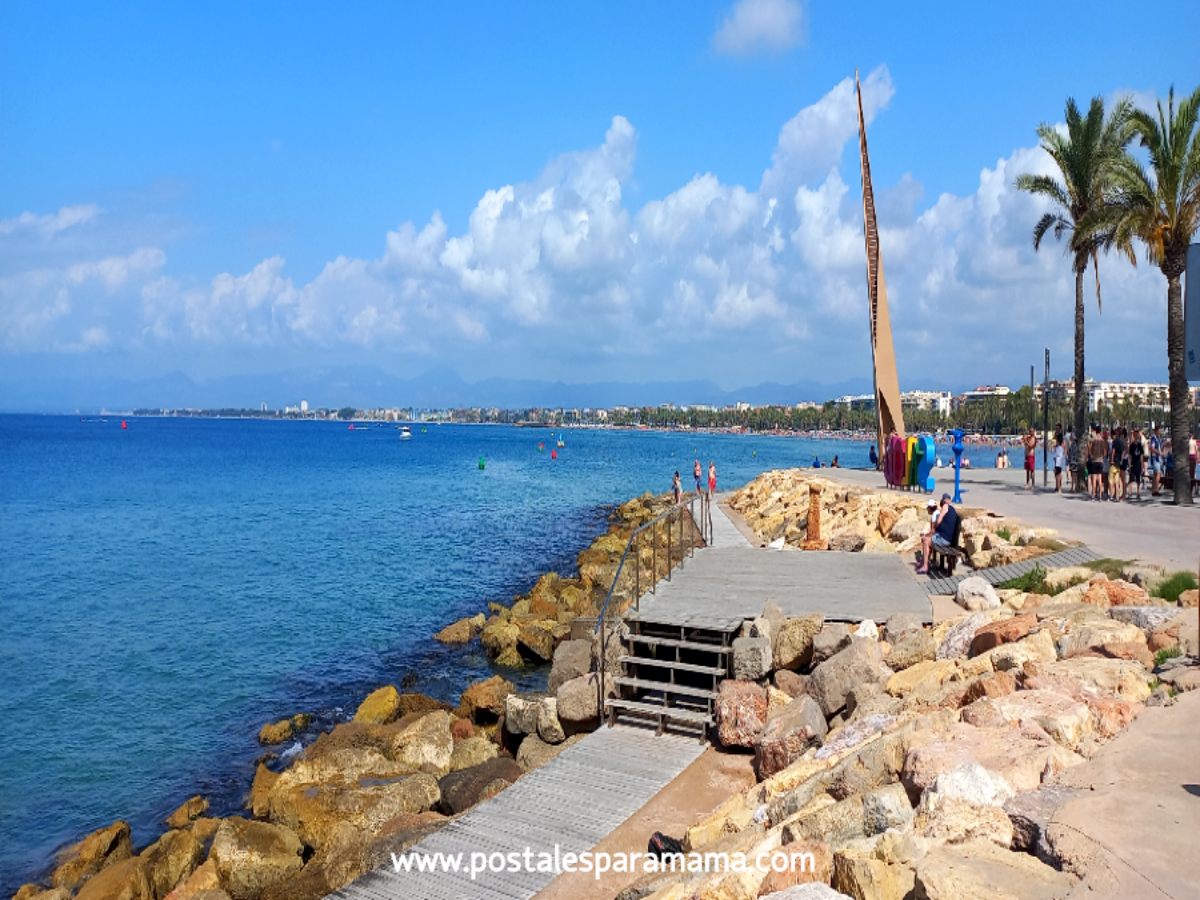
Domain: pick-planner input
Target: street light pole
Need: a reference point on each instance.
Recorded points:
(1045, 418)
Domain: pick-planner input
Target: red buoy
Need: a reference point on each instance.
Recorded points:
(554, 454)
(124, 424)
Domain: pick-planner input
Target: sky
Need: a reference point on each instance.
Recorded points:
(622, 192)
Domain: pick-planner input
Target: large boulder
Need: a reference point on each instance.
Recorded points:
(956, 640)
(1148, 618)
(578, 700)
(535, 641)
(751, 658)
(789, 731)
(252, 856)
(316, 812)
(483, 701)
(830, 639)
(1105, 637)
(981, 870)
(740, 712)
(128, 879)
(1066, 720)
(426, 744)
(975, 594)
(910, 647)
(534, 752)
(462, 631)
(203, 884)
(859, 663)
(863, 876)
(1002, 631)
(192, 808)
(381, 706)
(82, 860)
(472, 751)
(463, 789)
(1105, 593)
(572, 659)
(284, 729)
(526, 713)
(1023, 758)
(172, 858)
(793, 641)
(951, 820)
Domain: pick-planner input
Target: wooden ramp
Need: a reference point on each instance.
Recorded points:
(724, 532)
(572, 802)
(1074, 556)
(726, 584)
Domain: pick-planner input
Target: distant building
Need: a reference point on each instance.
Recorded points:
(856, 401)
(303, 407)
(982, 394)
(741, 406)
(931, 401)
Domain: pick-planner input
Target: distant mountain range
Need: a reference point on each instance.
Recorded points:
(366, 386)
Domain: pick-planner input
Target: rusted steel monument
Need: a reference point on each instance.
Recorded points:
(888, 413)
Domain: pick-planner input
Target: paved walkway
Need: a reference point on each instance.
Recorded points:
(570, 803)
(1151, 531)
(1138, 815)
(724, 532)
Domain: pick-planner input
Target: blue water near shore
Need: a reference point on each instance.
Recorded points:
(168, 588)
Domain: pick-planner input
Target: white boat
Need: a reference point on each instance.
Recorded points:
(405, 433)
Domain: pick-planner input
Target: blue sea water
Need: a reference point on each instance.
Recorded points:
(168, 588)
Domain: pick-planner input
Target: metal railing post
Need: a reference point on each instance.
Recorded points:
(654, 558)
(637, 570)
(668, 548)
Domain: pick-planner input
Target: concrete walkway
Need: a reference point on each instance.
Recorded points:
(1135, 826)
(1151, 531)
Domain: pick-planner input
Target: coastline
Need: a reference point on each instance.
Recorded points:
(201, 818)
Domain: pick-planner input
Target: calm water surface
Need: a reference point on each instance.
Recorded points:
(168, 588)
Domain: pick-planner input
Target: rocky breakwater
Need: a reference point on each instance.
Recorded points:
(400, 769)
(918, 761)
(776, 506)
(529, 630)
(404, 766)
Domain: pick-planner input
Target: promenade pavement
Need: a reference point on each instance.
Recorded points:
(1149, 530)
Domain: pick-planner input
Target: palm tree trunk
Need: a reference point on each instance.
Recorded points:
(1178, 386)
(1080, 392)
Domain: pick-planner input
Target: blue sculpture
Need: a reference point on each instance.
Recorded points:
(958, 452)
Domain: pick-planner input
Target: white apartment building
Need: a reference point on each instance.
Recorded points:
(933, 401)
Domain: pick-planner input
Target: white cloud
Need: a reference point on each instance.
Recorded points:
(48, 225)
(742, 283)
(757, 26)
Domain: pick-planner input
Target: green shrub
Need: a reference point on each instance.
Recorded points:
(1174, 585)
(1032, 582)
(1167, 653)
(1004, 533)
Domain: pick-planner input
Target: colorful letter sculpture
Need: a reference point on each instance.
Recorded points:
(910, 461)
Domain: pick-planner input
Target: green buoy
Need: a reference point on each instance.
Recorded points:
(482, 464)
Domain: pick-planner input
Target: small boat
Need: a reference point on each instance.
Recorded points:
(405, 433)
(561, 443)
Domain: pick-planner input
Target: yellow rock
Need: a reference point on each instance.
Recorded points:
(380, 707)
(191, 808)
(926, 675)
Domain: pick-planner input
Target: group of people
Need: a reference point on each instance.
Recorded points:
(1107, 463)
(698, 477)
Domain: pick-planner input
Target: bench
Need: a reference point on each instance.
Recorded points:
(943, 560)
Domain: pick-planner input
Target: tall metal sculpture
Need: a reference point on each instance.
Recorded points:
(889, 415)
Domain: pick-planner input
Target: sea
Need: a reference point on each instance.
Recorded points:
(168, 585)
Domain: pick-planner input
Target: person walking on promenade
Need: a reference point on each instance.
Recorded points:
(1120, 464)
(1097, 453)
(712, 477)
(1137, 459)
(698, 476)
(1156, 462)
(1191, 459)
(677, 488)
(1074, 461)
(1029, 442)
(873, 457)
(1059, 461)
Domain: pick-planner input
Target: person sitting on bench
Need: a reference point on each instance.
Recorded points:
(941, 532)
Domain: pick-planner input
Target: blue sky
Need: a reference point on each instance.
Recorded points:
(547, 190)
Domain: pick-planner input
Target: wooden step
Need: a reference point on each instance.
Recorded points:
(671, 664)
(641, 684)
(669, 712)
(675, 642)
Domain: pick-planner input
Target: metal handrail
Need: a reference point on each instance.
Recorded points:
(705, 533)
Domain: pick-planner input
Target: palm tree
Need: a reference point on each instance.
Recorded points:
(1085, 156)
(1161, 207)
